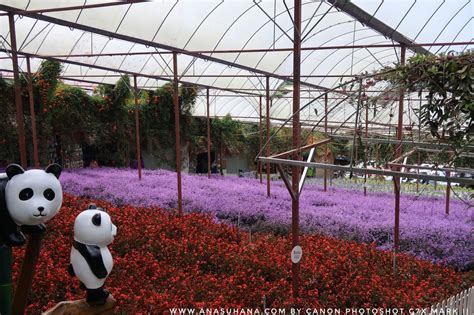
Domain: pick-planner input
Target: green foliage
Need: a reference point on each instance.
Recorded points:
(8, 132)
(103, 122)
(448, 110)
(157, 116)
(226, 135)
(47, 80)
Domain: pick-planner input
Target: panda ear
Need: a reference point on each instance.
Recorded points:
(96, 219)
(92, 206)
(54, 169)
(14, 169)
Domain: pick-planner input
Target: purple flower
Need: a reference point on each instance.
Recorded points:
(425, 231)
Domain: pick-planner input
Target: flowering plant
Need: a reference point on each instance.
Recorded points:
(163, 260)
(425, 231)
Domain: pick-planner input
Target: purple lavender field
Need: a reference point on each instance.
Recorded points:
(425, 230)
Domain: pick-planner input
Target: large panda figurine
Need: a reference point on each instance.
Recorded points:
(91, 260)
(28, 199)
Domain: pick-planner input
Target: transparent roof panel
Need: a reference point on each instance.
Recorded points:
(231, 46)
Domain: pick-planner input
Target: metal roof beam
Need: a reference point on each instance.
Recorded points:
(144, 42)
(131, 73)
(377, 25)
(77, 7)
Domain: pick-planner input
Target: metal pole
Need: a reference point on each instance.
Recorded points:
(177, 130)
(5, 280)
(398, 152)
(137, 131)
(32, 113)
(366, 144)
(418, 152)
(267, 97)
(260, 135)
(208, 136)
(326, 146)
(295, 170)
(19, 106)
(448, 192)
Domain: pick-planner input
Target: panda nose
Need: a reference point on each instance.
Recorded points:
(40, 209)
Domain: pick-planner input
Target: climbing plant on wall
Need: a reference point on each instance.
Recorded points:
(102, 122)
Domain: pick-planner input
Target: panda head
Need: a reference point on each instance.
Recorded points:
(34, 196)
(94, 227)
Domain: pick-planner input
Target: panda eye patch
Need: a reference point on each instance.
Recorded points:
(26, 194)
(49, 194)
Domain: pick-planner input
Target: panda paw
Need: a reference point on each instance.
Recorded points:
(70, 270)
(15, 239)
(97, 296)
(33, 229)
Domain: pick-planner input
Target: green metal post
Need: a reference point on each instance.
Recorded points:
(5, 280)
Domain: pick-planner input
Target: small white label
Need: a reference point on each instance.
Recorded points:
(296, 254)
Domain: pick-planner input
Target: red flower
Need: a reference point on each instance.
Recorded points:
(163, 261)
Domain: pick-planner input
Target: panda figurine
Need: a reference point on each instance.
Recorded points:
(28, 199)
(91, 260)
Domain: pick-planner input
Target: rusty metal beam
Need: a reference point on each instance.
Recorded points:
(377, 25)
(137, 130)
(398, 153)
(261, 50)
(18, 101)
(131, 73)
(267, 100)
(31, 100)
(286, 181)
(148, 43)
(295, 170)
(73, 8)
(208, 135)
(401, 157)
(326, 146)
(448, 192)
(401, 142)
(443, 169)
(301, 149)
(177, 113)
(260, 136)
(374, 171)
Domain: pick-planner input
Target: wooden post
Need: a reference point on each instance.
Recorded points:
(32, 113)
(18, 103)
(80, 307)
(28, 267)
(137, 130)
(208, 137)
(5, 280)
(177, 112)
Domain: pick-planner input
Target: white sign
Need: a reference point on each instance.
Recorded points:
(296, 254)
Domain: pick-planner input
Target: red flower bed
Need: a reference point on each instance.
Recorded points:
(163, 260)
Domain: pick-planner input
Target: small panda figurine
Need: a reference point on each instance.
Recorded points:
(91, 260)
(28, 199)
